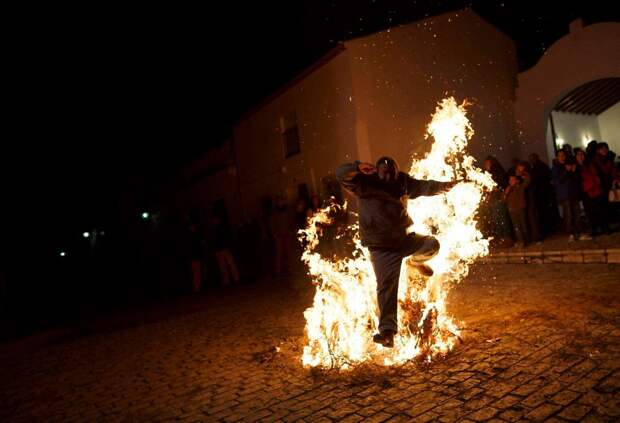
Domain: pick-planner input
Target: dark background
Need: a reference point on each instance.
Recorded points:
(104, 97)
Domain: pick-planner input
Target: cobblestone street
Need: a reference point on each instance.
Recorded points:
(540, 343)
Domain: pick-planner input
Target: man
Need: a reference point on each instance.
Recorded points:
(282, 227)
(383, 192)
(196, 253)
(515, 199)
(566, 183)
(222, 242)
(531, 211)
(543, 195)
(604, 162)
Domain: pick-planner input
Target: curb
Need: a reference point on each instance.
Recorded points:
(600, 256)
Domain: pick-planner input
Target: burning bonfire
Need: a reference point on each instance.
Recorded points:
(343, 317)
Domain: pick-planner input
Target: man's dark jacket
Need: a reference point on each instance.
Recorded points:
(383, 214)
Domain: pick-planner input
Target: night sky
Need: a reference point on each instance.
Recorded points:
(108, 94)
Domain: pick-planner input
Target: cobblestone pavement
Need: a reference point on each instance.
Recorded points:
(540, 343)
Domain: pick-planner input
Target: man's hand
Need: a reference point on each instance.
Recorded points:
(366, 168)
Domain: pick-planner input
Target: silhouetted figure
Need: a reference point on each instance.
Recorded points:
(222, 243)
(592, 193)
(566, 183)
(608, 173)
(512, 170)
(282, 227)
(301, 214)
(568, 150)
(543, 195)
(196, 254)
(531, 211)
(494, 167)
(515, 197)
(494, 218)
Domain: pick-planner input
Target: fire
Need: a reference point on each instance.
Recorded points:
(343, 317)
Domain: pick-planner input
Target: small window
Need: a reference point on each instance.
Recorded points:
(290, 134)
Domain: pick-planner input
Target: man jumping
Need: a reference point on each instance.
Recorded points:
(383, 192)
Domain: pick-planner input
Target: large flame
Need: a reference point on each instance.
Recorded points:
(343, 317)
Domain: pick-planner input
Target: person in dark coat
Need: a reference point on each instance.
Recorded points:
(222, 243)
(494, 219)
(566, 183)
(196, 247)
(516, 201)
(531, 211)
(544, 199)
(604, 162)
(592, 194)
(383, 191)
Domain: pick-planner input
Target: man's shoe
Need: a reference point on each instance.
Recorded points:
(424, 269)
(385, 338)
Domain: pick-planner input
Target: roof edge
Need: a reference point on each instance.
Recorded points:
(323, 60)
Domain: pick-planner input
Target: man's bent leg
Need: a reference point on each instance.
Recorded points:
(421, 248)
(386, 264)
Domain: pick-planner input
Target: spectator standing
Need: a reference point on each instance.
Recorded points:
(566, 183)
(604, 162)
(222, 242)
(544, 197)
(494, 217)
(282, 225)
(522, 171)
(515, 198)
(196, 248)
(592, 194)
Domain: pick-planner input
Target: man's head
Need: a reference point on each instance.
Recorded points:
(280, 201)
(580, 156)
(521, 169)
(568, 149)
(602, 148)
(387, 169)
(514, 180)
(560, 156)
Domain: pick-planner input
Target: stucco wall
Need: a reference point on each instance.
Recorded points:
(400, 74)
(323, 102)
(609, 123)
(575, 129)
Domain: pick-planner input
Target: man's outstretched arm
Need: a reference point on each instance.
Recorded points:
(418, 187)
(350, 174)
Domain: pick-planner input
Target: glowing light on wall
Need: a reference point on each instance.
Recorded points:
(585, 139)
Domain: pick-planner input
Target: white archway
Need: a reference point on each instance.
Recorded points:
(589, 112)
(585, 54)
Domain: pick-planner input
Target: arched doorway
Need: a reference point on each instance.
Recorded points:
(585, 55)
(588, 112)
